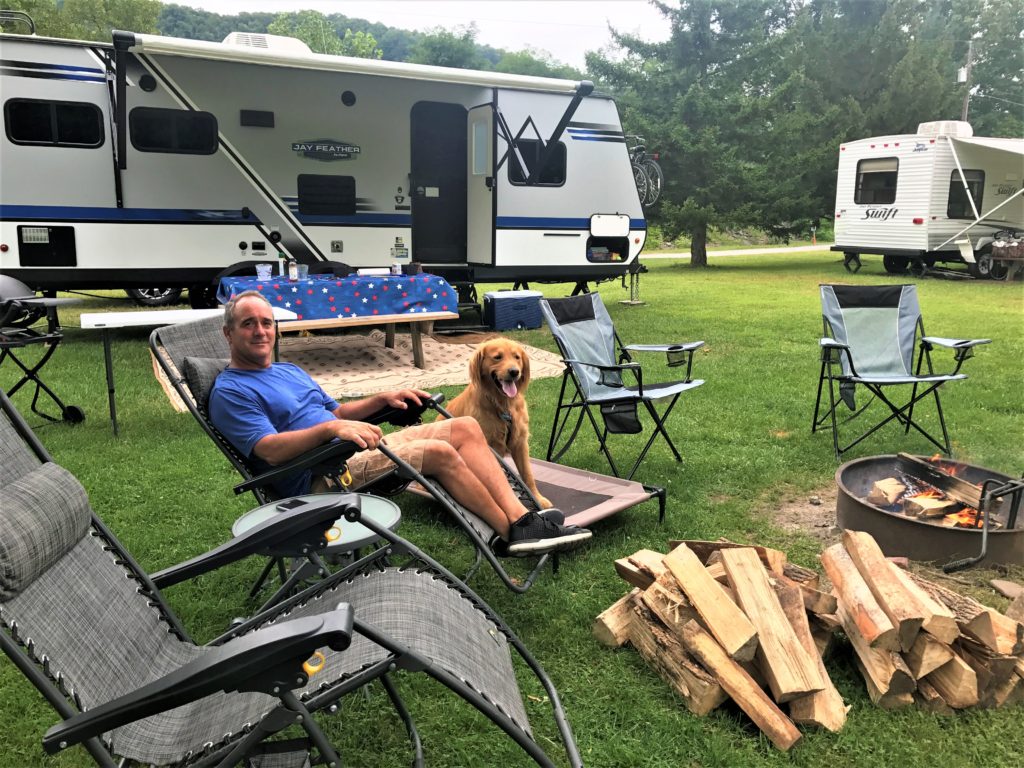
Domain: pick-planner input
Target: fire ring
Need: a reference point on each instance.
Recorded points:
(899, 535)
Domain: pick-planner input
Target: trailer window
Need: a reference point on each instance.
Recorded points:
(53, 123)
(959, 207)
(176, 131)
(529, 150)
(876, 181)
(321, 195)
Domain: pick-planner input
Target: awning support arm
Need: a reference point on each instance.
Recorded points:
(583, 90)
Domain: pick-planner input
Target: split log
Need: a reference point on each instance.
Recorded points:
(801, 575)
(773, 559)
(886, 492)
(939, 622)
(641, 568)
(956, 683)
(718, 612)
(824, 636)
(928, 506)
(1004, 694)
(954, 487)
(741, 687)
(666, 655)
(929, 699)
(993, 669)
(1016, 609)
(667, 601)
(891, 699)
(825, 708)
(815, 601)
(854, 593)
(906, 614)
(984, 624)
(611, 627)
(886, 670)
(926, 655)
(790, 670)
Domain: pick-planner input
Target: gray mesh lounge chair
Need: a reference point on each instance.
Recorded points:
(869, 339)
(192, 354)
(596, 362)
(90, 629)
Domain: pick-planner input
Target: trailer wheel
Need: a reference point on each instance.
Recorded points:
(154, 297)
(987, 268)
(895, 265)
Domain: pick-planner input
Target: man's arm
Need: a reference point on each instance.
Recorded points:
(361, 409)
(281, 447)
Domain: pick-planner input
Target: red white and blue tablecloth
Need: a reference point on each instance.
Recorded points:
(326, 296)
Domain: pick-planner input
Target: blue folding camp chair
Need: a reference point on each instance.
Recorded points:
(869, 339)
(595, 360)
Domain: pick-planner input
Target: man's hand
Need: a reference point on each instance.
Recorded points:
(366, 436)
(401, 398)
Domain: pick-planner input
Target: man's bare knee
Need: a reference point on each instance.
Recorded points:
(439, 456)
(466, 428)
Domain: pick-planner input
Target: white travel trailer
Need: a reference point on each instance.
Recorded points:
(941, 194)
(164, 162)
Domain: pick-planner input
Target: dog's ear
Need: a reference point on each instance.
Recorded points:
(525, 378)
(476, 364)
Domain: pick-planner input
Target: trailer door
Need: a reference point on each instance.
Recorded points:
(480, 185)
(437, 183)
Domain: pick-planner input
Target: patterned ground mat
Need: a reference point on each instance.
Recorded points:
(356, 365)
(359, 365)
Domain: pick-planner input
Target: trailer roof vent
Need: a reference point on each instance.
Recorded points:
(267, 42)
(955, 128)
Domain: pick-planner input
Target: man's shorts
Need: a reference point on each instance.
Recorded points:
(408, 444)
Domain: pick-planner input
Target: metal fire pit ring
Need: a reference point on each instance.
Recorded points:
(898, 535)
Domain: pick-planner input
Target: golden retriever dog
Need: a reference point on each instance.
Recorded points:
(499, 373)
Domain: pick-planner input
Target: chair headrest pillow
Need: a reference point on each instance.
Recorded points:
(43, 515)
(200, 373)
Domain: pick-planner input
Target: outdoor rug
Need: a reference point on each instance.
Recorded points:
(356, 365)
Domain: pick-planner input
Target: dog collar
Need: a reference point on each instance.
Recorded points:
(506, 416)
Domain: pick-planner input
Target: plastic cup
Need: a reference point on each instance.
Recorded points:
(303, 271)
(264, 271)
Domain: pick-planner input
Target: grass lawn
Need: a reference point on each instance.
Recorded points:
(165, 490)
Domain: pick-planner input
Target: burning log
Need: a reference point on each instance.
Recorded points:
(954, 487)
(926, 506)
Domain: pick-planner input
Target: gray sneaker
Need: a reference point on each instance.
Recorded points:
(535, 532)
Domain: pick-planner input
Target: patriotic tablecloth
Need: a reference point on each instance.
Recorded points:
(325, 296)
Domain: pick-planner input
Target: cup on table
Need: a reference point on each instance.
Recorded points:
(303, 271)
(264, 271)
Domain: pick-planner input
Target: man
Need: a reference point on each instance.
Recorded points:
(274, 412)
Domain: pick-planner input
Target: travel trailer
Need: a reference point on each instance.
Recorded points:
(157, 161)
(941, 194)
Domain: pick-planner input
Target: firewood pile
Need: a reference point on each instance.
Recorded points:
(718, 620)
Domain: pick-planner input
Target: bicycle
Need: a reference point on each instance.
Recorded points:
(647, 173)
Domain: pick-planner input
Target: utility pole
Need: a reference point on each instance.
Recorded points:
(966, 74)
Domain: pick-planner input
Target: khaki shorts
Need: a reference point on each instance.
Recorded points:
(408, 444)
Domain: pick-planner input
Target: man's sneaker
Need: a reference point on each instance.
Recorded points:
(553, 514)
(534, 532)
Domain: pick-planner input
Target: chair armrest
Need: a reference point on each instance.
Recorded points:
(298, 522)
(331, 454)
(267, 658)
(619, 367)
(832, 343)
(687, 346)
(405, 417)
(954, 343)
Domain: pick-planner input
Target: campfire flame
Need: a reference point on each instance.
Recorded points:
(967, 517)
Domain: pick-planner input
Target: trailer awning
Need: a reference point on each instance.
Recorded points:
(291, 57)
(1006, 207)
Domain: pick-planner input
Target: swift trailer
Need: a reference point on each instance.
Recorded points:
(158, 161)
(941, 194)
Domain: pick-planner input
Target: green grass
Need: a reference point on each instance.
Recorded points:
(166, 492)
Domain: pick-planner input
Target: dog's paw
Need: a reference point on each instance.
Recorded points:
(544, 502)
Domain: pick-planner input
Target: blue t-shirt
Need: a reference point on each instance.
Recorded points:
(246, 406)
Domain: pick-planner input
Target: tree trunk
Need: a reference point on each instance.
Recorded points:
(699, 246)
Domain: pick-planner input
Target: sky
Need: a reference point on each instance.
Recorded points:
(564, 28)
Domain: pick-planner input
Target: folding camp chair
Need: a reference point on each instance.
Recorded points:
(870, 333)
(192, 354)
(20, 312)
(91, 630)
(589, 346)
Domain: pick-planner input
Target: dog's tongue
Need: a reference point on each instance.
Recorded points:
(509, 388)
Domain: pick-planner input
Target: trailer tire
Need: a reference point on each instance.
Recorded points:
(987, 268)
(154, 297)
(895, 265)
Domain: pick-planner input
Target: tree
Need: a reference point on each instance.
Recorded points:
(92, 20)
(536, 64)
(361, 45)
(311, 27)
(449, 49)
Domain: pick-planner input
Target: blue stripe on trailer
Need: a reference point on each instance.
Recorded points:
(359, 220)
(543, 222)
(42, 65)
(51, 213)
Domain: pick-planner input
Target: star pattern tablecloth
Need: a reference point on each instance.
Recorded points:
(321, 297)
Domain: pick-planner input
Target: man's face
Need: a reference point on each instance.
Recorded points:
(251, 338)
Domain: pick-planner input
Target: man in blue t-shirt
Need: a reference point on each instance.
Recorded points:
(274, 412)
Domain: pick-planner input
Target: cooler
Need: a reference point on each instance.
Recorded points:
(512, 310)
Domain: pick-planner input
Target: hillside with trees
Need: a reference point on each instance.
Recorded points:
(747, 101)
